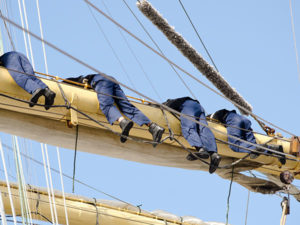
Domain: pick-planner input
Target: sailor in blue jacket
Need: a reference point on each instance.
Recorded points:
(108, 93)
(22, 72)
(239, 126)
(197, 135)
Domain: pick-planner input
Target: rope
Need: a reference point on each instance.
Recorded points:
(75, 155)
(51, 184)
(228, 197)
(294, 38)
(26, 212)
(135, 57)
(2, 211)
(247, 208)
(111, 47)
(22, 22)
(200, 39)
(8, 34)
(159, 49)
(62, 185)
(28, 36)
(47, 183)
(69, 177)
(42, 35)
(8, 185)
(97, 214)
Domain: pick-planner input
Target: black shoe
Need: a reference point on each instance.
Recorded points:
(35, 96)
(254, 155)
(49, 98)
(214, 162)
(125, 125)
(202, 153)
(191, 157)
(278, 148)
(156, 132)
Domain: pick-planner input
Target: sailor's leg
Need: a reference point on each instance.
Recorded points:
(105, 91)
(33, 82)
(206, 135)
(236, 121)
(188, 127)
(21, 71)
(127, 108)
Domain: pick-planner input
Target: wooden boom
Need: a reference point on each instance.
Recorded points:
(49, 127)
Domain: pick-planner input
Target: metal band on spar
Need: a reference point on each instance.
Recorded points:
(190, 53)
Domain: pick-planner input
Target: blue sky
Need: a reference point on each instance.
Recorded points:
(252, 45)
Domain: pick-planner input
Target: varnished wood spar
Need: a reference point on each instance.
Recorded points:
(49, 127)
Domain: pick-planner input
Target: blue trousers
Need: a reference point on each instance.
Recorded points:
(106, 89)
(196, 134)
(18, 62)
(235, 120)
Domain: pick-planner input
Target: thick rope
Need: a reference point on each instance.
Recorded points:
(159, 49)
(190, 53)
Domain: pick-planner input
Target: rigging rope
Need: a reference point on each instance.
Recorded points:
(28, 36)
(247, 208)
(8, 34)
(22, 184)
(135, 57)
(294, 38)
(42, 36)
(2, 211)
(200, 39)
(228, 197)
(8, 185)
(22, 22)
(51, 184)
(74, 162)
(47, 183)
(69, 177)
(62, 185)
(112, 48)
(159, 49)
